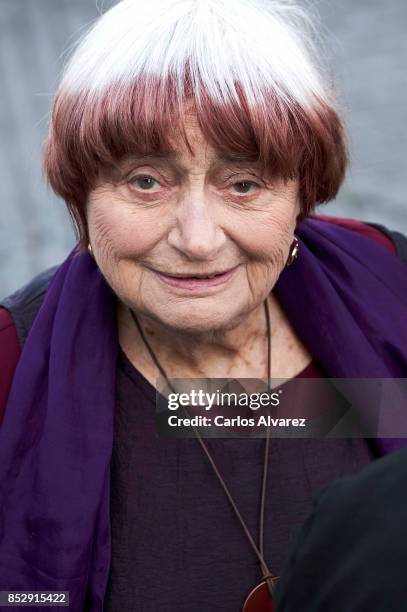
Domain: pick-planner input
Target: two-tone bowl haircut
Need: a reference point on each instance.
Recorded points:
(248, 67)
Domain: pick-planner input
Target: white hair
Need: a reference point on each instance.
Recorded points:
(264, 45)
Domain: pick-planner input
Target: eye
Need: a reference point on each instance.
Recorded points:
(244, 187)
(144, 182)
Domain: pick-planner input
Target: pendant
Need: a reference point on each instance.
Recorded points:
(260, 599)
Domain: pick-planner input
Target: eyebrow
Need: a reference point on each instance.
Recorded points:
(235, 158)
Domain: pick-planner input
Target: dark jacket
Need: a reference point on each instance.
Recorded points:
(351, 554)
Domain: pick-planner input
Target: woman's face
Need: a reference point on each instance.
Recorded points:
(192, 215)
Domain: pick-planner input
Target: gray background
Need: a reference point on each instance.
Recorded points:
(367, 47)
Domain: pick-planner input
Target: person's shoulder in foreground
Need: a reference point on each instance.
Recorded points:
(351, 554)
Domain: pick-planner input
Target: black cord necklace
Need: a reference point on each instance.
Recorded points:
(260, 598)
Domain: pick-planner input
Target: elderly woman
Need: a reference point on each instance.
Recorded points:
(191, 141)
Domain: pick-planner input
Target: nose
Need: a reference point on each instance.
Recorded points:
(196, 231)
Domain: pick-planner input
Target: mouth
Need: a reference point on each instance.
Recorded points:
(196, 281)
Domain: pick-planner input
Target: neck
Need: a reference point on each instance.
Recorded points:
(242, 347)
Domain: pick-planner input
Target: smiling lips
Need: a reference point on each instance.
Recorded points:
(196, 282)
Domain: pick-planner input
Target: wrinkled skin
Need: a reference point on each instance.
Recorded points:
(197, 214)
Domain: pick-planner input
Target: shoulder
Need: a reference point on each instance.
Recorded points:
(357, 506)
(23, 304)
(17, 313)
(381, 482)
(352, 544)
(391, 240)
(9, 355)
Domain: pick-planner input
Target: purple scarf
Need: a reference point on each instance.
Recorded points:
(346, 297)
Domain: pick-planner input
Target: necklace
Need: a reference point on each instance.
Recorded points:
(260, 598)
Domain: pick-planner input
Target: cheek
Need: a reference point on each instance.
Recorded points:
(267, 239)
(117, 230)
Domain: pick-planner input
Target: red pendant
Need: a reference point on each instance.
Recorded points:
(259, 599)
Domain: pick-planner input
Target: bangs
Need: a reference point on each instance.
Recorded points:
(123, 97)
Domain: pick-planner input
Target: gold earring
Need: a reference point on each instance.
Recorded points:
(294, 250)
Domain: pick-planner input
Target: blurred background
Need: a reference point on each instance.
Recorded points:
(367, 47)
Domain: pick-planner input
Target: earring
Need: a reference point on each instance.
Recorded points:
(294, 250)
(90, 250)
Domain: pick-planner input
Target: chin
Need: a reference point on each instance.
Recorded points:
(197, 320)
